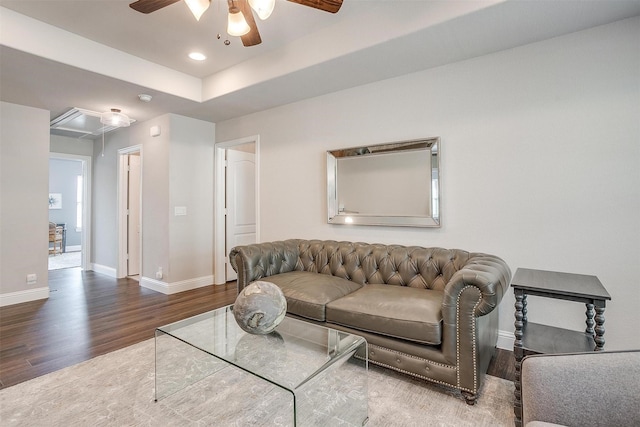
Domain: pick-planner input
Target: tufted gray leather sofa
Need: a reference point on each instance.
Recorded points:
(427, 312)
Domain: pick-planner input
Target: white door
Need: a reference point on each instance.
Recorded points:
(133, 218)
(240, 202)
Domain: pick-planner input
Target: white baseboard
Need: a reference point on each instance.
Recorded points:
(154, 285)
(74, 248)
(24, 296)
(103, 269)
(175, 287)
(505, 340)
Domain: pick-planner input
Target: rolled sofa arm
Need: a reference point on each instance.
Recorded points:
(489, 274)
(470, 321)
(257, 261)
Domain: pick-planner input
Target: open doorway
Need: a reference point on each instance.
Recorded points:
(129, 212)
(236, 201)
(69, 210)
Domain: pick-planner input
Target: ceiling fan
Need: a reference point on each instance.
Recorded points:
(240, 19)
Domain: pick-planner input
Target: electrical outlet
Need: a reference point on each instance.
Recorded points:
(159, 273)
(32, 279)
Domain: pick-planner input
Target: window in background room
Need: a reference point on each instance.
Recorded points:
(79, 203)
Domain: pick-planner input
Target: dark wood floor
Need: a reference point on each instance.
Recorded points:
(89, 314)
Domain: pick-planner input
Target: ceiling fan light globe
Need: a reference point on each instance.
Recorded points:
(263, 7)
(236, 24)
(197, 7)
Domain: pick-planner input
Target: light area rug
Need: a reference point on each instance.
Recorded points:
(64, 260)
(117, 389)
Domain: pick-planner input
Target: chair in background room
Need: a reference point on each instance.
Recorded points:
(55, 237)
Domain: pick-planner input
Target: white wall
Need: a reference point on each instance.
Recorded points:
(540, 163)
(24, 178)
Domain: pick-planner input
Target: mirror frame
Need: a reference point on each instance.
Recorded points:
(336, 217)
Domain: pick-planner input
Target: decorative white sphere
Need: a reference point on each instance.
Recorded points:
(260, 307)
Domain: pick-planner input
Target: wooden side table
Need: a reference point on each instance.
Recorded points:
(533, 338)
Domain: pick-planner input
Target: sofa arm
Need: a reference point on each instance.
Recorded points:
(489, 274)
(470, 318)
(257, 261)
(598, 388)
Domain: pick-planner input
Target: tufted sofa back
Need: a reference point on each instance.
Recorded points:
(364, 263)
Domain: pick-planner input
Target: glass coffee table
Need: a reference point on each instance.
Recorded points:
(312, 374)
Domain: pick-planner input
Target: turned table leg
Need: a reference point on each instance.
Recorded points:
(518, 351)
(599, 329)
(595, 323)
(590, 313)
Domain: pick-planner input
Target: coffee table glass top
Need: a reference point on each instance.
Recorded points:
(289, 356)
(315, 375)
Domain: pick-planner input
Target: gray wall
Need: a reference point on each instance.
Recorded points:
(181, 244)
(540, 153)
(68, 145)
(104, 213)
(63, 175)
(177, 170)
(191, 186)
(24, 177)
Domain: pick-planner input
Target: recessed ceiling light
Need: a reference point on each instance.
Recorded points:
(197, 56)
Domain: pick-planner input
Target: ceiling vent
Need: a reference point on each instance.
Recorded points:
(80, 123)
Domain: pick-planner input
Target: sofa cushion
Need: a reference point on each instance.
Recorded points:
(395, 311)
(308, 293)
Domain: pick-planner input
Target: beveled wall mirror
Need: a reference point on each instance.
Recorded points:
(394, 184)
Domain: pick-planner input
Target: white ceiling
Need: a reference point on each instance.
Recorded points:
(97, 55)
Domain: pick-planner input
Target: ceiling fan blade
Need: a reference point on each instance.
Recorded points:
(252, 38)
(148, 6)
(327, 5)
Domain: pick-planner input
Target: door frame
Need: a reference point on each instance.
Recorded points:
(220, 188)
(123, 191)
(85, 236)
